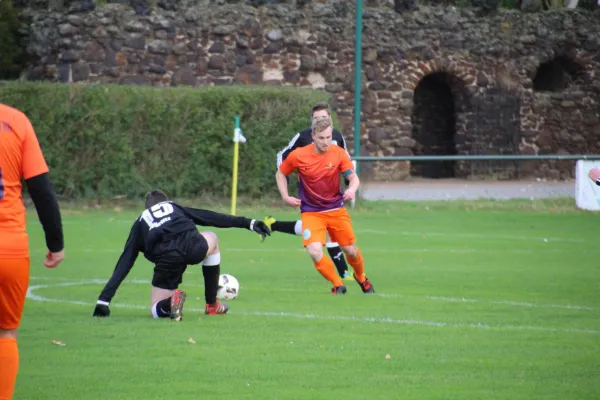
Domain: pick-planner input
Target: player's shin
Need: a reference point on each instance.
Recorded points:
(358, 265)
(9, 360)
(337, 256)
(284, 227)
(211, 269)
(326, 268)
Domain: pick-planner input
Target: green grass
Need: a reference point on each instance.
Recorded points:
(472, 303)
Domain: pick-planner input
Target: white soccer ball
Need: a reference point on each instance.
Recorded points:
(229, 287)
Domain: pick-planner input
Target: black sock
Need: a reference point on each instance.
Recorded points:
(284, 227)
(211, 282)
(338, 259)
(163, 308)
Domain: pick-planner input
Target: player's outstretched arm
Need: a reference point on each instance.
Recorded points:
(220, 220)
(130, 253)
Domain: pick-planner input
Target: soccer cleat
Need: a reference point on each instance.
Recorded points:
(177, 300)
(268, 221)
(338, 290)
(216, 308)
(365, 285)
(347, 276)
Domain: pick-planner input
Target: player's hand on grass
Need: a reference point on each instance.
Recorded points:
(53, 259)
(101, 310)
(349, 194)
(594, 174)
(292, 201)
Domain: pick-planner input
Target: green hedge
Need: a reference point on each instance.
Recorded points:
(11, 54)
(105, 141)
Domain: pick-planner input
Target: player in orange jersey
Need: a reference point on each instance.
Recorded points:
(321, 202)
(21, 158)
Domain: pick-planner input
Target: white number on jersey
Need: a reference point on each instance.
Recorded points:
(158, 212)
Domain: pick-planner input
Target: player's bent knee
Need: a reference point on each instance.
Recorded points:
(315, 250)
(350, 251)
(212, 240)
(8, 333)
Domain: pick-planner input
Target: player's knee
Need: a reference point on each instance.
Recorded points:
(8, 333)
(212, 240)
(315, 250)
(350, 251)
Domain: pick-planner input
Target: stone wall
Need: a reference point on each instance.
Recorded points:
(436, 81)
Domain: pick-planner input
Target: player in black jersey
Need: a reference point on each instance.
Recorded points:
(166, 234)
(304, 138)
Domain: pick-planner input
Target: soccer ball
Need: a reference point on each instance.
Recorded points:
(229, 287)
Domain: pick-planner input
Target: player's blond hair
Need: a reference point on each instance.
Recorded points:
(319, 124)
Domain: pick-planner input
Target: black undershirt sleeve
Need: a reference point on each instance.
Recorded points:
(218, 220)
(124, 265)
(42, 193)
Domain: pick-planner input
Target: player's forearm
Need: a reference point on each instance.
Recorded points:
(122, 269)
(282, 184)
(43, 196)
(354, 182)
(217, 220)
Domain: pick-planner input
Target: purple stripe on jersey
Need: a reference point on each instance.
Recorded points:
(314, 203)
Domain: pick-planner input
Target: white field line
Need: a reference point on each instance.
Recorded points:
(33, 296)
(389, 295)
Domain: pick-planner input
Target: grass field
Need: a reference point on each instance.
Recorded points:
(475, 300)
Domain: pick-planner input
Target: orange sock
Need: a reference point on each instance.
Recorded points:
(9, 360)
(358, 265)
(326, 268)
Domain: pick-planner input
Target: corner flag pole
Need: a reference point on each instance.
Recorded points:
(237, 138)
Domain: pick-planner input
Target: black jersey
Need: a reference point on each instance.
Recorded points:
(154, 231)
(304, 138)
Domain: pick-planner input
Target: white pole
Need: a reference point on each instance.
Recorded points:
(353, 201)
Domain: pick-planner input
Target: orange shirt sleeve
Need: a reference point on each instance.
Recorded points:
(346, 164)
(290, 163)
(34, 163)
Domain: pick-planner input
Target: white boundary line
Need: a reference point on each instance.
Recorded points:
(31, 295)
(389, 295)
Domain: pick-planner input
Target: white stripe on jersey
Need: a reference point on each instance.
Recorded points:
(345, 147)
(289, 146)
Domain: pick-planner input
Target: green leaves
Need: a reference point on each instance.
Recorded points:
(106, 141)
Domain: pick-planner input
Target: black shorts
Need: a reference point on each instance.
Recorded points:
(190, 248)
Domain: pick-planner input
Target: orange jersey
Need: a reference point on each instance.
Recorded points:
(20, 158)
(319, 175)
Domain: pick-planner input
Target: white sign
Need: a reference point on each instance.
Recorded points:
(587, 193)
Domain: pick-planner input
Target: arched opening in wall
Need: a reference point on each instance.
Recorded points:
(434, 125)
(557, 74)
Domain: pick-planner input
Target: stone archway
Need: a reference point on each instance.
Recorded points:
(434, 125)
(438, 113)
